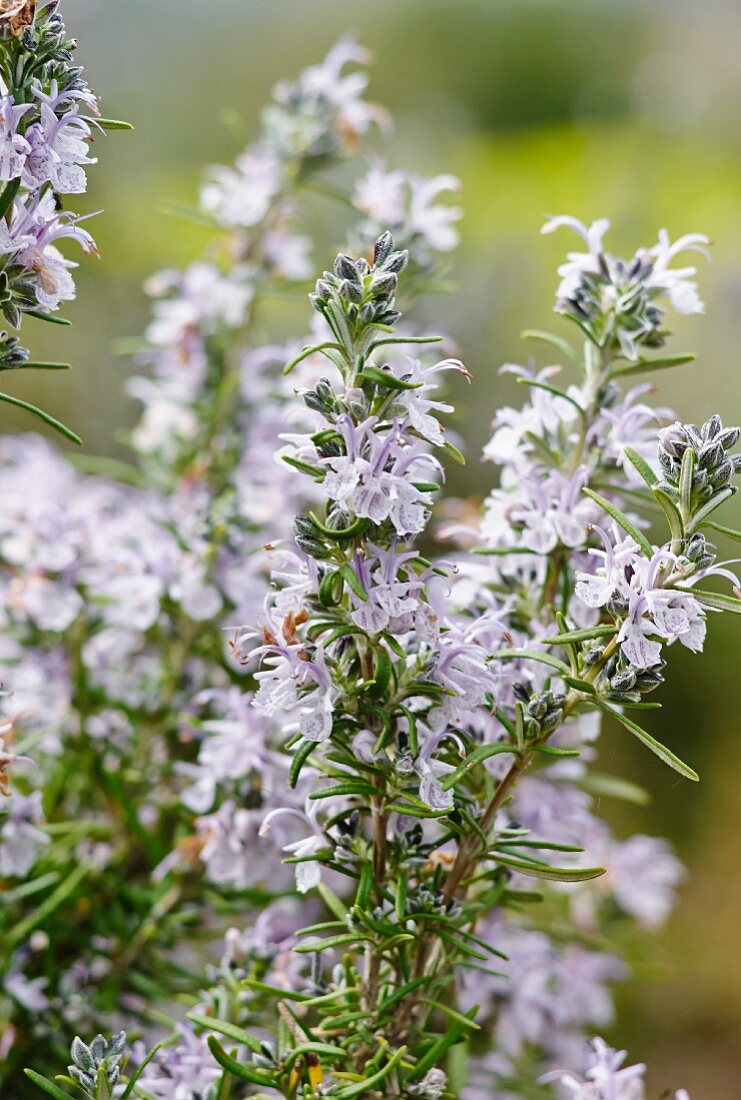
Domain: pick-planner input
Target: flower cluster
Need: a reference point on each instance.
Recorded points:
(48, 117)
(117, 590)
(615, 300)
(356, 793)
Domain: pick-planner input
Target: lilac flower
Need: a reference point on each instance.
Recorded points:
(329, 98)
(291, 680)
(230, 848)
(14, 147)
(619, 296)
(630, 423)
(375, 477)
(408, 206)
(57, 150)
(28, 992)
(30, 240)
(604, 1078)
(643, 874)
(200, 299)
(233, 747)
(21, 841)
(309, 871)
(542, 416)
(183, 1070)
(240, 197)
(431, 771)
(390, 602)
(652, 608)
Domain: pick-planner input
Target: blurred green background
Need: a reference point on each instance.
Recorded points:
(593, 108)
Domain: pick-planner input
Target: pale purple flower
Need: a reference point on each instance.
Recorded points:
(230, 851)
(240, 197)
(408, 206)
(14, 147)
(57, 150)
(605, 1077)
(309, 871)
(183, 1070)
(653, 609)
(376, 476)
(21, 840)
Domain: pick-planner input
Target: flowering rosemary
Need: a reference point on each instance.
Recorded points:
(48, 116)
(412, 737)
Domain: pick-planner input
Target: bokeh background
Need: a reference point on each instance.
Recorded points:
(591, 107)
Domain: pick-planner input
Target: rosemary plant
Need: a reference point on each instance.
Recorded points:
(416, 734)
(48, 115)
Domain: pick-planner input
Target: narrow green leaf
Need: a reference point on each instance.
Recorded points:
(38, 366)
(650, 742)
(239, 1069)
(641, 466)
(459, 945)
(332, 901)
(129, 1090)
(701, 515)
(51, 421)
(8, 194)
(555, 874)
(382, 670)
(113, 124)
(322, 1050)
(324, 926)
(452, 1014)
(385, 378)
(329, 592)
(400, 898)
(478, 756)
(614, 786)
(368, 1083)
(400, 993)
(341, 534)
(686, 475)
(555, 341)
(729, 532)
(404, 340)
(662, 363)
(34, 886)
(223, 1027)
(531, 655)
(437, 1051)
(310, 349)
(302, 754)
(274, 990)
(412, 729)
(305, 467)
(47, 1086)
(621, 519)
(20, 931)
(540, 845)
(365, 886)
(580, 685)
(49, 317)
(409, 809)
(352, 786)
(719, 601)
(352, 580)
(555, 392)
(672, 513)
(454, 453)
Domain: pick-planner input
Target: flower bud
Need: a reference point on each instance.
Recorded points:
(344, 268)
